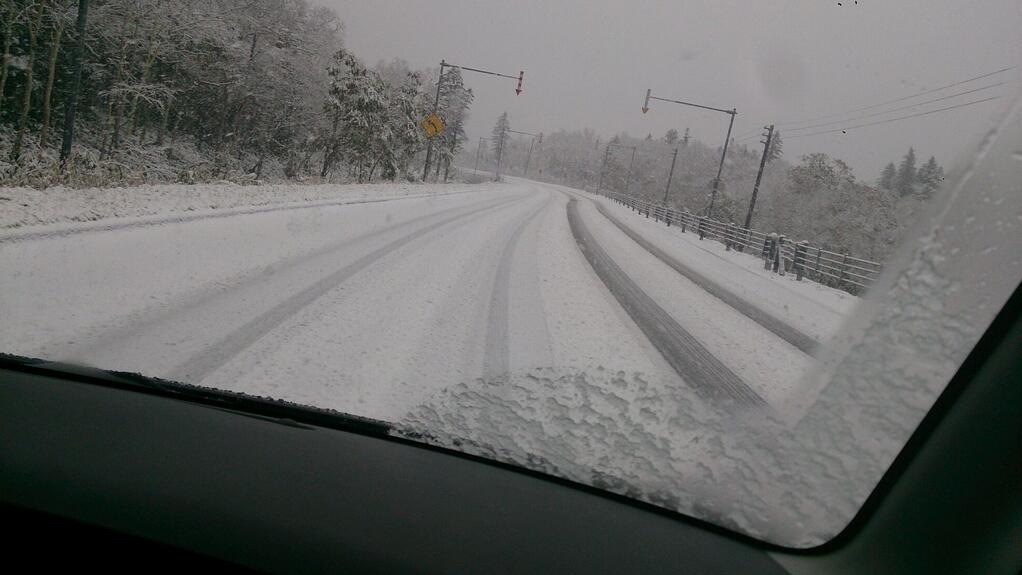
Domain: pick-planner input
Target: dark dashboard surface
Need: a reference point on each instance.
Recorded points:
(281, 495)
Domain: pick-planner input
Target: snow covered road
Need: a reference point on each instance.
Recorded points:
(376, 308)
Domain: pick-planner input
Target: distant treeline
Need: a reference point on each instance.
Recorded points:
(818, 199)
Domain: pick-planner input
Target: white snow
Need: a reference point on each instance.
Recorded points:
(768, 364)
(815, 309)
(56, 210)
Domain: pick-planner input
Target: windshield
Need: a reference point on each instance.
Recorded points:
(719, 258)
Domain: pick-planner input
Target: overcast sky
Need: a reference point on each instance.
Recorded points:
(588, 63)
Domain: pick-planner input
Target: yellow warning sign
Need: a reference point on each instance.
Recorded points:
(433, 125)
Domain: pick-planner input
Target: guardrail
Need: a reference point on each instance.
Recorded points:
(781, 255)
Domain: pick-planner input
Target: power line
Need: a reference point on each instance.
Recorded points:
(902, 99)
(891, 111)
(889, 120)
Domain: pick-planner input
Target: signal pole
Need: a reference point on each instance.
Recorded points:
(759, 176)
(727, 140)
(436, 101)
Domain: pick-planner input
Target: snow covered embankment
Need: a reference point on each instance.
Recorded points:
(27, 211)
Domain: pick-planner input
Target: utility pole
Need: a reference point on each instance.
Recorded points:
(528, 158)
(720, 168)
(585, 175)
(603, 167)
(628, 178)
(531, 144)
(759, 176)
(670, 176)
(479, 151)
(727, 140)
(436, 102)
(436, 108)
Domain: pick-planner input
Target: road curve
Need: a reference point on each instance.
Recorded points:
(690, 359)
(782, 329)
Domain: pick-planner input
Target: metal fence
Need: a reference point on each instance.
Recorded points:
(780, 254)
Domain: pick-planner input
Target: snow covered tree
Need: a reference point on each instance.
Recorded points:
(236, 82)
(364, 136)
(905, 181)
(814, 175)
(685, 138)
(671, 137)
(455, 100)
(929, 177)
(888, 177)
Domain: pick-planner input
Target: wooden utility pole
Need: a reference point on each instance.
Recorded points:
(479, 151)
(603, 167)
(759, 176)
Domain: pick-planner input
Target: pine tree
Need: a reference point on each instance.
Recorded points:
(888, 177)
(671, 137)
(685, 138)
(906, 179)
(929, 177)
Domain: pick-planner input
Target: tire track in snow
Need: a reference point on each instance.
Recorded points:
(497, 358)
(778, 327)
(214, 356)
(110, 334)
(690, 359)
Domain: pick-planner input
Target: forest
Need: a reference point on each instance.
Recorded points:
(206, 90)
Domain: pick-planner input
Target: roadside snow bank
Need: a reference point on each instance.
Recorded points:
(22, 208)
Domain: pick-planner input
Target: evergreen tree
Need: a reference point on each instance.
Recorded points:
(887, 177)
(929, 177)
(671, 137)
(685, 138)
(905, 182)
